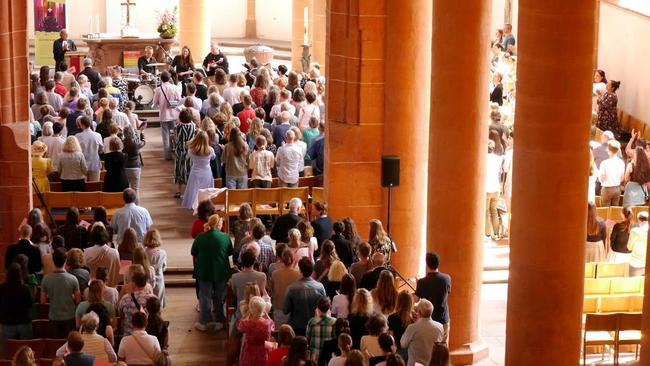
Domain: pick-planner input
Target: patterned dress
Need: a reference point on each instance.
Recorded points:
(608, 113)
(184, 133)
(256, 333)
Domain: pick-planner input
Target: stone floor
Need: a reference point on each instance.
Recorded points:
(191, 348)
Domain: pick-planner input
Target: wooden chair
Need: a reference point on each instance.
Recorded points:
(590, 304)
(637, 209)
(636, 303)
(626, 285)
(111, 202)
(602, 212)
(629, 333)
(59, 199)
(298, 192)
(267, 201)
(615, 213)
(597, 286)
(597, 332)
(317, 194)
(614, 303)
(96, 186)
(51, 345)
(41, 328)
(606, 269)
(37, 345)
(306, 181)
(218, 183)
(237, 197)
(590, 270)
(598, 201)
(87, 199)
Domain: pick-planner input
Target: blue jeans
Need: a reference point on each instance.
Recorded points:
(18, 331)
(167, 126)
(236, 182)
(211, 298)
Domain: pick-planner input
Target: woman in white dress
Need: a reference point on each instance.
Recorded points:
(158, 259)
(600, 83)
(200, 153)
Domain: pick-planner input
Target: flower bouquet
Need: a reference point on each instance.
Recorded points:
(167, 26)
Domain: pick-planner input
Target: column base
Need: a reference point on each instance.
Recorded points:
(470, 353)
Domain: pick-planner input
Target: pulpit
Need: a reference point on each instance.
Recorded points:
(74, 59)
(109, 51)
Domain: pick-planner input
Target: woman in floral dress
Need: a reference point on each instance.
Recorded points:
(607, 108)
(184, 132)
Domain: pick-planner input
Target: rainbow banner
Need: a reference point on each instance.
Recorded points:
(49, 19)
(130, 59)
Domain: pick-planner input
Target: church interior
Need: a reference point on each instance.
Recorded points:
(375, 138)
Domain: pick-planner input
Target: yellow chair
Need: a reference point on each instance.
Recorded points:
(597, 332)
(615, 303)
(590, 270)
(294, 192)
(598, 201)
(267, 201)
(626, 285)
(615, 213)
(636, 303)
(87, 199)
(637, 209)
(219, 202)
(629, 333)
(236, 198)
(602, 212)
(597, 286)
(590, 304)
(605, 270)
(317, 194)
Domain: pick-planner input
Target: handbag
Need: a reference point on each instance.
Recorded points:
(171, 103)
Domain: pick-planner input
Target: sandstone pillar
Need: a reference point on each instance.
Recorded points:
(457, 149)
(551, 163)
(251, 21)
(410, 38)
(355, 112)
(15, 162)
(195, 27)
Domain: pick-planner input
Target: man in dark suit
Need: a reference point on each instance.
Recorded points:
(25, 247)
(369, 280)
(92, 75)
(286, 222)
(322, 223)
(343, 246)
(61, 46)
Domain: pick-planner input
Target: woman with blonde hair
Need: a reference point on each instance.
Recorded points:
(254, 130)
(384, 296)
(235, 158)
(158, 259)
(257, 328)
(24, 357)
(140, 257)
(75, 264)
(596, 236)
(378, 239)
(326, 258)
(298, 248)
(307, 235)
(95, 296)
(41, 166)
(200, 153)
(332, 279)
(72, 166)
(226, 109)
(360, 312)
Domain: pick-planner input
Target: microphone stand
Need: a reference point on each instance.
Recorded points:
(393, 246)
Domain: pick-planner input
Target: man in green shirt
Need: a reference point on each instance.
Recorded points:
(212, 271)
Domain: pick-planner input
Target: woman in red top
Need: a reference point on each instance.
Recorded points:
(205, 210)
(257, 328)
(285, 336)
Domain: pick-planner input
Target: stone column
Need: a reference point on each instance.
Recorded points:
(318, 28)
(251, 21)
(457, 149)
(355, 113)
(195, 27)
(15, 162)
(551, 166)
(410, 38)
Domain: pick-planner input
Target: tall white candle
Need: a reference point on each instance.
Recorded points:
(90, 24)
(97, 21)
(306, 25)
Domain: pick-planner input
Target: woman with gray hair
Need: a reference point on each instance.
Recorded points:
(94, 344)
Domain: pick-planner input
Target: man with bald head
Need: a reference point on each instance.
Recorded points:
(288, 161)
(420, 337)
(369, 279)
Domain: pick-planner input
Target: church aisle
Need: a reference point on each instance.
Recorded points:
(157, 195)
(188, 347)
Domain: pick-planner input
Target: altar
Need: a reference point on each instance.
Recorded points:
(108, 51)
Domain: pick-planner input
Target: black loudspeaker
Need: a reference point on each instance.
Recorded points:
(389, 171)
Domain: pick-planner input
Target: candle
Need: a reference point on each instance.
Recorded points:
(97, 22)
(90, 24)
(306, 25)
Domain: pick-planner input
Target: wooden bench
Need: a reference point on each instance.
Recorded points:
(89, 187)
(60, 202)
(302, 182)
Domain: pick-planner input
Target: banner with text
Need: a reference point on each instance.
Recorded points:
(49, 19)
